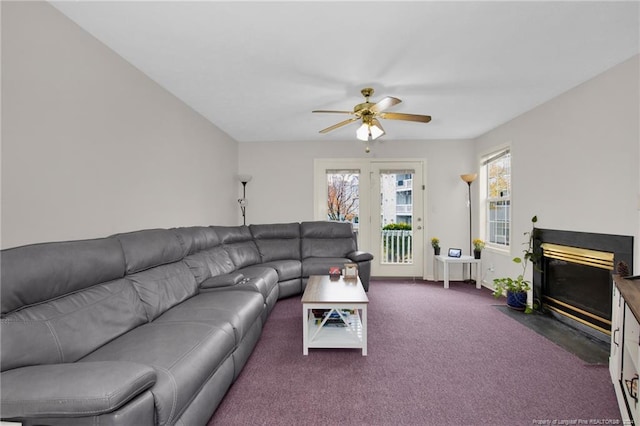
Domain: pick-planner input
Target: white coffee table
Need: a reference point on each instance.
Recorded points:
(446, 260)
(347, 301)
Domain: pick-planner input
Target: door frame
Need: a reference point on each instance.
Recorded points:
(320, 165)
(417, 269)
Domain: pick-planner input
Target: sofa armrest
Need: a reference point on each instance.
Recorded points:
(72, 390)
(225, 280)
(360, 256)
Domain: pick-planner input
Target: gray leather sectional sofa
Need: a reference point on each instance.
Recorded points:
(149, 327)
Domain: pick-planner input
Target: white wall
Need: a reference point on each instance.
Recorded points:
(91, 146)
(282, 185)
(575, 162)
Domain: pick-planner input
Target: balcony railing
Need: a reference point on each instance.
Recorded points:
(396, 247)
(404, 209)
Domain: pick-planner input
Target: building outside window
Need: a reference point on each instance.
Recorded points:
(498, 215)
(404, 198)
(396, 198)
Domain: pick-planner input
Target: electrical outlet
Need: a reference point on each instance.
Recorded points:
(491, 268)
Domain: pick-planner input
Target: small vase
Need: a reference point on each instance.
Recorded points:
(436, 251)
(477, 253)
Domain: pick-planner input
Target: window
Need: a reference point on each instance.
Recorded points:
(498, 185)
(343, 198)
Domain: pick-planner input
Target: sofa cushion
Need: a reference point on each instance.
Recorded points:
(76, 389)
(183, 354)
(67, 328)
(164, 286)
(327, 239)
(150, 248)
(277, 241)
(197, 238)
(209, 263)
(238, 242)
(39, 272)
(202, 315)
(240, 309)
(286, 269)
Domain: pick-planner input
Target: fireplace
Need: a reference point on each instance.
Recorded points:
(573, 280)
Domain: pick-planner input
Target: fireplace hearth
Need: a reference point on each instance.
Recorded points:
(573, 281)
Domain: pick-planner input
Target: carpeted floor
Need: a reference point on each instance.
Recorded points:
(436, 357)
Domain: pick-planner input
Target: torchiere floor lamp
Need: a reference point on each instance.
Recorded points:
(243, 201)
(469, 178)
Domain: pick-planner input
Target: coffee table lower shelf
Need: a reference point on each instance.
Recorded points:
(352, 335)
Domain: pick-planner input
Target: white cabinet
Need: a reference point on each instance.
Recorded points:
(617, 311)
(624, 360)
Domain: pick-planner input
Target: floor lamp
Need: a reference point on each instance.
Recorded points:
(469, 178)
(243, 201)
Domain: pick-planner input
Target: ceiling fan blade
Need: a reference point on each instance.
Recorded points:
(406, 117)
(385, 103)
(332, 111)
(335, 126)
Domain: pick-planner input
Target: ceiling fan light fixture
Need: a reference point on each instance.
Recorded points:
(375, 129)
(363, 132)
(370, 131)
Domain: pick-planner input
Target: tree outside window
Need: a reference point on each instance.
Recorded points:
(343, 197)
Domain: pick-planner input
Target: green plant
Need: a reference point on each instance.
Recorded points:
(478, 244)
(519, 284)
(435, 242)
(397, 227)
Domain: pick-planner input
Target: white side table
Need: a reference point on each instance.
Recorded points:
(446, 261)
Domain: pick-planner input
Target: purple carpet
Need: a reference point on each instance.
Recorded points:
(435, 357)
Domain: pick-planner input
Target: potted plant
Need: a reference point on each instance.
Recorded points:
(517, 288)
(435, 243)
(478, 245)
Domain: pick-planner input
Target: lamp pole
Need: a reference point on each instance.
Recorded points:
(469, 178)
(469, 202)
(243, 205)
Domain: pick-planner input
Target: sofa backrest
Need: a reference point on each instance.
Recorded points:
(206, 257)
(35, 273)
(239, 243)
(150, 247)
(154, 265)
(209, 263)
(70, 327)
(197, 238)
(277, 241)
(61, 301)
(326, 239)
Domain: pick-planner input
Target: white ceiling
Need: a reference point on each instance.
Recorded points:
(257, 69)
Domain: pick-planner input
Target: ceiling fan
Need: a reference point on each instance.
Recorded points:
(369, 113)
